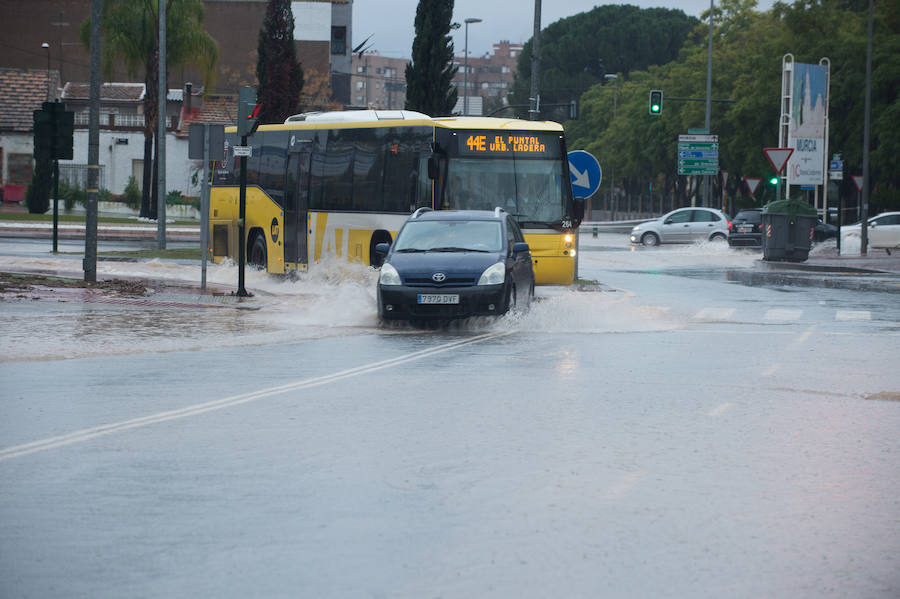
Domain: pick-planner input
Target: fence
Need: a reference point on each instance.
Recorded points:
(76, 174)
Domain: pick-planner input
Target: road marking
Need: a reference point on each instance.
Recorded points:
(719, 410)
(17, 451)
(714, 314)
(791, 347)
(782, 315)
(853, 315)
(771, 370)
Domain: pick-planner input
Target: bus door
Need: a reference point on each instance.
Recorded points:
(296, 205)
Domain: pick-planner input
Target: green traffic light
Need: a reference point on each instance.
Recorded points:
(655, 108)
(774, 180)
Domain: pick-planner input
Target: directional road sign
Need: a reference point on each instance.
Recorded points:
(585, 173)
(698, 154)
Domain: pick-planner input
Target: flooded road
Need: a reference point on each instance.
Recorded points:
(676, 432)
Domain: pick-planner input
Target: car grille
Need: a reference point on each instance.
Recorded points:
(466, 281)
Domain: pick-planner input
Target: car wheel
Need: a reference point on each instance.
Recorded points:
(717, 237)
(650, 239)
(257, 256)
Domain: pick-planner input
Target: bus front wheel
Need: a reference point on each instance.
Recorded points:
(257, 256)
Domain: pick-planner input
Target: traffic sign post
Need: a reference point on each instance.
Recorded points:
(778, 158)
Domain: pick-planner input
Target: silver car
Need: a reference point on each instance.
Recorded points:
(684, 225)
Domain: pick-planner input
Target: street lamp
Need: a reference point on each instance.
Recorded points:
(46, 46)
(466, 67)
(612, 170)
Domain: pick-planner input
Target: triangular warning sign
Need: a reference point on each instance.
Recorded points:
(752, 183)
(858, 182)
(778, 157)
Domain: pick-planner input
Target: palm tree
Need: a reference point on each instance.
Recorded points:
(130, 37)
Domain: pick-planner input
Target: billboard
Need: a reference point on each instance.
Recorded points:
(807, 126)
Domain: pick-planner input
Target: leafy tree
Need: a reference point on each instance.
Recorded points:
(280, 75)
(748, 48)
(130, 37)
(576, 52)
(431, 71)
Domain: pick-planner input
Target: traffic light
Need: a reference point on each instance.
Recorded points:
(248, 112)
(656, 102)
(773, 180)
(53, 131)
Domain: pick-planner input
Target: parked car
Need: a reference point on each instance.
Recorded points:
(746, 228)
(684, 225)
(447, 264)
(883, 232)
(824, 231)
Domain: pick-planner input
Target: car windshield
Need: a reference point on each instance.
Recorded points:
(450, 236)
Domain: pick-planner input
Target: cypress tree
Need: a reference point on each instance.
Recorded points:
(279, 74)
(429, 75)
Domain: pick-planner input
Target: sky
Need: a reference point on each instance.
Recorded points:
(390, 22)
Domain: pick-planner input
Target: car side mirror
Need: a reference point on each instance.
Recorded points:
(381, 249)
(520, 246)
(668, 221)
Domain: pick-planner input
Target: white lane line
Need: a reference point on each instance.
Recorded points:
(771, 370)
(853, 315)
(714, 314)
(781, 314)
(791, 347)
(24, 449)
(719, 410)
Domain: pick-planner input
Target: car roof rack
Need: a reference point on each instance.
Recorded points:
(498, 210)
(420, 211)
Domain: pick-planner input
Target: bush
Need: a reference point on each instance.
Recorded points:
(173, 197)
(37, 196)
(71, 194)
(132, 195)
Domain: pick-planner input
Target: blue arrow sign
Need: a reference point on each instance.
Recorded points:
(699, 154)
(585, 173)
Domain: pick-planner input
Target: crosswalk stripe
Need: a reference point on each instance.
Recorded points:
(853, 315)
(714, 313)
(782, 314)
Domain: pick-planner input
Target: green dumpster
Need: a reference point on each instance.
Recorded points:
(787, 230)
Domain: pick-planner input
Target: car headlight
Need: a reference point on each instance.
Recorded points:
(636, 228)
(389, 275)
(493, 275)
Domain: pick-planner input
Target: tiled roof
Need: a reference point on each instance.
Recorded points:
(215, 109)
(21, 93)
(109, 92)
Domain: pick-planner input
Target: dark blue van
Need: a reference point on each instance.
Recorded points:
(448, 264)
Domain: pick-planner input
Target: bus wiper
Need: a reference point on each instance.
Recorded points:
(534, 223)
(411, 250)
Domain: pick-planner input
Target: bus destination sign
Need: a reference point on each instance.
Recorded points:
(500, 144)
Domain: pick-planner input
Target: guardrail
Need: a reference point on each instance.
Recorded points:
(619, 226)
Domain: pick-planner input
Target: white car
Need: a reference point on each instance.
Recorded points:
(684, 225)
(883, 233)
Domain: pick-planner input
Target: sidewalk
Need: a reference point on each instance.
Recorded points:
(876, 261)
(112, 232)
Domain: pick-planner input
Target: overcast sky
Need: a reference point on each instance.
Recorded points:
(390, 22)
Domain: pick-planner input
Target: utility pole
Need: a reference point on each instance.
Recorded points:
(161, 112)
(707, 187)
(93, 174)
(535, 99)
(864, 224)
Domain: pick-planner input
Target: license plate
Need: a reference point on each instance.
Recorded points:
(438, 298)
(745, 228)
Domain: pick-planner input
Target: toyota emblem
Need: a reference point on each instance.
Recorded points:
(438, 277)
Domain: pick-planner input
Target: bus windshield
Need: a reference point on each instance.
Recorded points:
(531, 190)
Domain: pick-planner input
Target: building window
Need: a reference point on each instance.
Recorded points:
(360, 69)
(339, 40)
(360, 85)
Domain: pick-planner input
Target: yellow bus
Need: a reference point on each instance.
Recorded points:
(338, 183)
